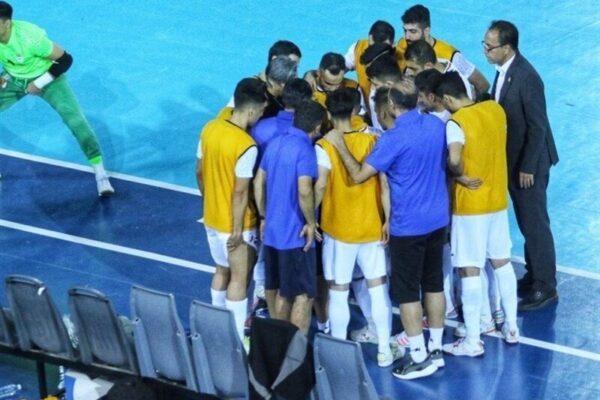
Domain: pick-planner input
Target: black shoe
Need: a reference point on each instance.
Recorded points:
(524, 286)
(408, 369)
(537, 299)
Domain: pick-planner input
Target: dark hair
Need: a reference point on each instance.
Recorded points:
(296, 92)
(382, 31)
(417, 14)
(308, 116)
(281, 70)
(427, 81)
(507, 33)
(402, 99)
(283, 48)
(420, 52)
(384, 68)
(333, 62)
(6, 10)
(342, 102)
(451, 84)
(375, 51)
(249, 92)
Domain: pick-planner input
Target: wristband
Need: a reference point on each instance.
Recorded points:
(43, 80)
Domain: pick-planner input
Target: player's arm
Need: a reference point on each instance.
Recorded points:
(324, 166)
(199, 179)
(260, 181)
(387, 207)
(455, 138)
(479, 82)
(467, 68)
(244, 171)
(306, 198)
(359, 173)
(62, 61)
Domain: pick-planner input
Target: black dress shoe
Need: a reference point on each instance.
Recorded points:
(524, 287)
(537, 299)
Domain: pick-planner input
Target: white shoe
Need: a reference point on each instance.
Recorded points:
(400, 339)
(510, 335)
(364, 335)
(463, 348)
(385, 360)
(484, 328)
(104, 187)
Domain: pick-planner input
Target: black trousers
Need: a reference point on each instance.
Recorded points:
(531, 210)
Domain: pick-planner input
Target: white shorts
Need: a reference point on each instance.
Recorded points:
(217, 243)
(339, 259)
(476, 238)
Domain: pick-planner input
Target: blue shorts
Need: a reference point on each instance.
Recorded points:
(292, 272)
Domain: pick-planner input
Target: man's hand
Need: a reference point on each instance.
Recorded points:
(311, 79)
(525, 180)
(385, 234)
(32, 89)
(335, 137)
(234, 241)
(3, 82)
(308, 233)
(469, 183)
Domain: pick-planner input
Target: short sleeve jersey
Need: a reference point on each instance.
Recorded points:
(27, 51)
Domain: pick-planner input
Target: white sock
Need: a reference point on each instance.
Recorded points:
(99, 170)
(486, 311)
(417, 348)
(217, 297)
(471, 301)
(448, 279)
(339, 313)
(495, 298)
(361, 294)
(239, 309)
(435, 338)
(507, 285)
(380, 310)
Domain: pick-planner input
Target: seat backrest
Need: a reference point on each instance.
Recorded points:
(102, 338)
(340, 370)
(161, 344)
(219, 357)
(37, 320)
(7, 337)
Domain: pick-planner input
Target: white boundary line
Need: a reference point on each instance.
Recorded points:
(85, 168)
(195, 192)
(206, 268)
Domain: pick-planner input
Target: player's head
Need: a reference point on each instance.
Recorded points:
(285, 48)
(426, 83)
(501, 41)
(6, 11)
(381, 32)
(296, 92)
(342, 103)
(384, 71)
(308, 117)
(331, 71)
(5, 21)
(416, 23)
(419, 56)
(250, 99)
(280, 71)
(451, 89)
(392, 102)
(375, 51)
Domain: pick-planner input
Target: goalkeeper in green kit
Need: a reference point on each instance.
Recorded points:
(34, 65)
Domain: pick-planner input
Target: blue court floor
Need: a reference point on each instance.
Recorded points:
(149, 74)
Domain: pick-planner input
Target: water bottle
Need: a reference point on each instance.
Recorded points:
(9, 391)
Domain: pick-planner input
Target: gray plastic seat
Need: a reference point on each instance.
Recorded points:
(340, 370)
(161, 345)
(38, 323)
(219, 357)
(102, 338)
(7, 334)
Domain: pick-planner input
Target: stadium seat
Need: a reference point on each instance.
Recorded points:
(7, 334)
(38, 323)
(340, 370)
(102, 338)
(162, 347)
(219, 357)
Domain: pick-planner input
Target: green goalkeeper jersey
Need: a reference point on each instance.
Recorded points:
(26, 53)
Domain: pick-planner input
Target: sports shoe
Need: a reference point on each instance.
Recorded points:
(400, 339)
(452, 314)
(409, 369)
(364, 335)
(510, 335)
(385, 360)
(104, 187)
(484, 328)
(463, 348)
(437, 358)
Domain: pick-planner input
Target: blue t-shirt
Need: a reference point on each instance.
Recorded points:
(287, 158)
(413, 156)
(266, 129)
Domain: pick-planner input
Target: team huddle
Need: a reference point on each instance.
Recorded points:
(390, 184)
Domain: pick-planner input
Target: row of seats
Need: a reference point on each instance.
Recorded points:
(211, 358)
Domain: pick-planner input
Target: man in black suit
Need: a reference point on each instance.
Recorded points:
(530, 153)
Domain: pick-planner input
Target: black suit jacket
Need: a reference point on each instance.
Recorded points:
(530, 144)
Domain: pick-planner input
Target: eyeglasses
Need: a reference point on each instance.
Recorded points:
(487, 48)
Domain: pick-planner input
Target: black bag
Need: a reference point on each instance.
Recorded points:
(130, 389)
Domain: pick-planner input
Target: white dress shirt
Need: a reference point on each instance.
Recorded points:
(501, 76)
